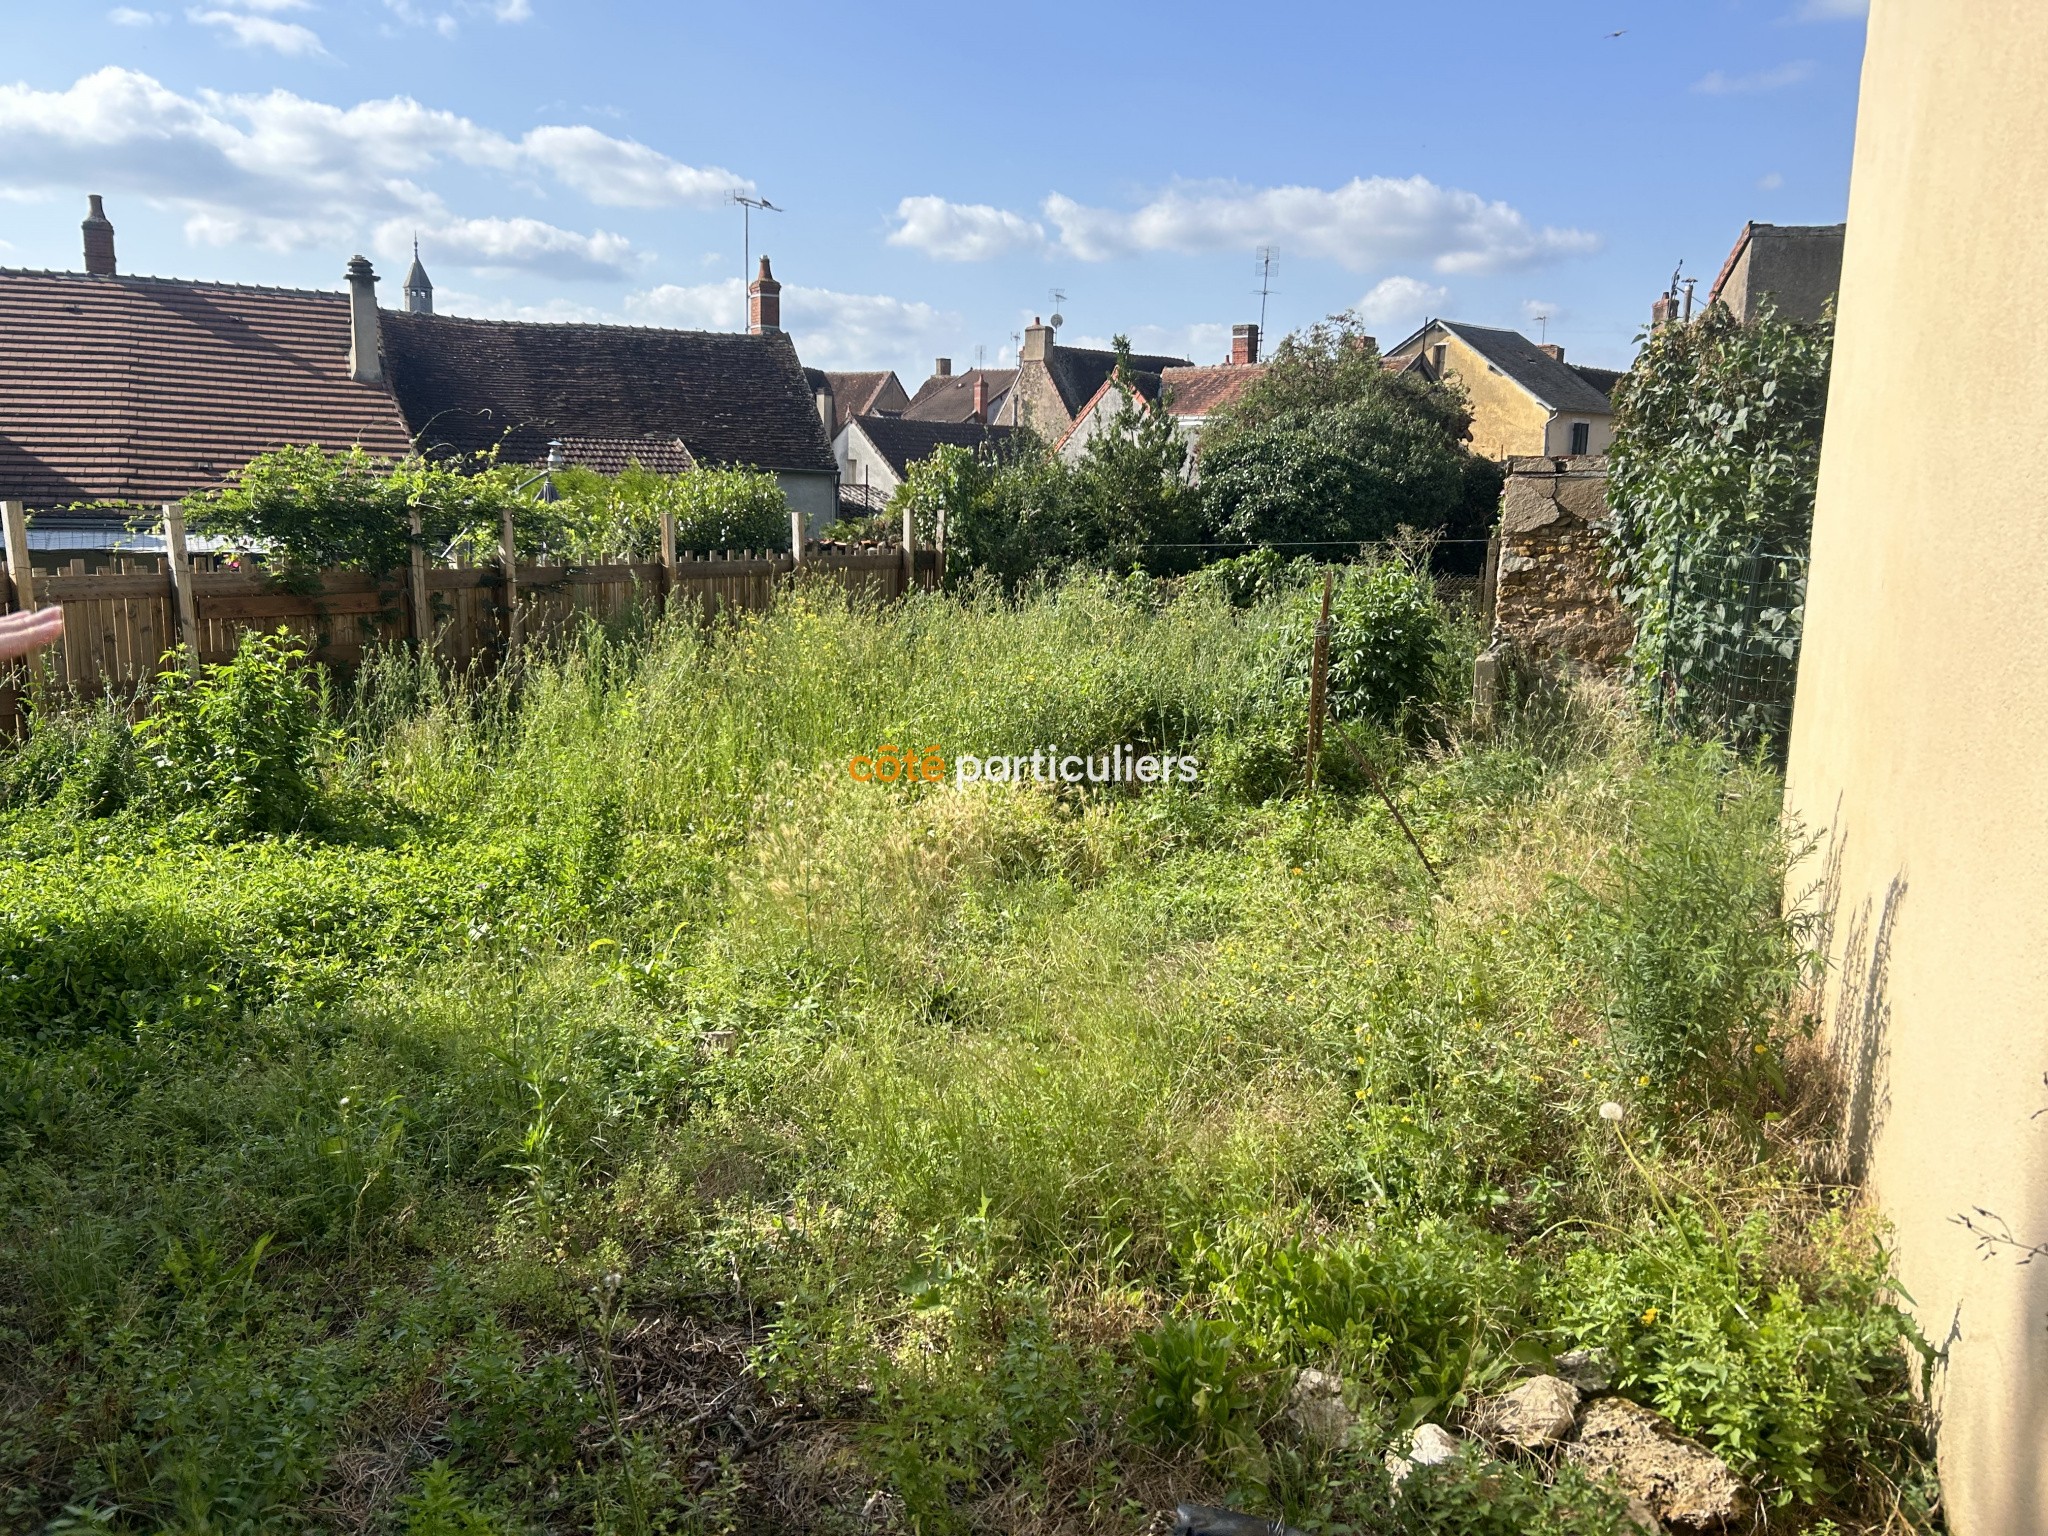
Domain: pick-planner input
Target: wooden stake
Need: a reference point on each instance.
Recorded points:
(1318, 684)
(1379, 786)
(796, 537)
(668, 559)
(422, 609)
(14, 517)
(909, 550)
(508, 555)
(181, 581)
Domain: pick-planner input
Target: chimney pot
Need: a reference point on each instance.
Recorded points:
(365, 343)
(764, 303)
(99, 239)
(942, 367)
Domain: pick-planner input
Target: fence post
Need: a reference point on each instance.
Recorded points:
(508, 556)
(796, 537)
(668, 559)
(15, 518)
(1318, 682)
(909, 549)
(939, 575)
(422, 610)
(181, 581)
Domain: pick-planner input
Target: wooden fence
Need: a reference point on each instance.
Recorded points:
(121, 620)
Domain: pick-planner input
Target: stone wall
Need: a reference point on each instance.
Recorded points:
(1551, 596)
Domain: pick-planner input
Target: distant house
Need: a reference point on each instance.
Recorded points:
(856, 394)
(950, 396)
(1797, 267)
(1525, 399)
(141, 390)
(1192, 394)
(875, 453)
(1055, 383)
(613, 393)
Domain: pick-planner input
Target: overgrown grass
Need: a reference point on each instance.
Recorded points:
(605, 1114)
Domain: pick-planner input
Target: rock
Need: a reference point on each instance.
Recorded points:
(1316, 1408)
(882, 1512)
(1644, 1518)
(1200, 1520)
(1688, 1488)
(1430, 1445)
(1590, 1370)
(1538, 1413)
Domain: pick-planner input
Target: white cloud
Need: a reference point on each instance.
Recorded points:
(1770, 181)
(1400, 303)
(285, 37)
(128, 16)
(1715, 83)
(290, 172)
(446, 23)
(519, 244)
(831, 329)
(963, 231)
(1367, 222)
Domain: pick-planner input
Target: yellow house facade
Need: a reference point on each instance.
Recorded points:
(1526, 400)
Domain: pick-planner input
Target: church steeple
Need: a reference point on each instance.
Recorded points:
(419, 292)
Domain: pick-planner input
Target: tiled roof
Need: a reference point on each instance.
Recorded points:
(1205, 391)
(144, 389)
(950, 396)
(855, 392)
(1077, 372)
(1602, 379)
(1553, 383)
(730, 398)
(612, 455)
(904, 442)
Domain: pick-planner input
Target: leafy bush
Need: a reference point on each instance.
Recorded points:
(240, 743)
(1386, 632)
(1716, 453)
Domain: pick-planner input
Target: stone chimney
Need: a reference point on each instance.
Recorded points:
(1551, 350)
(1244, 344)
(365, 344)
(942, 367)
(980, 396)
(828, 410)
(764, 303)
(1664, 311)
(1037, 342)
(99, 240)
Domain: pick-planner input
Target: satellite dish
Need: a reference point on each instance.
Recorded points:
(1058, 320)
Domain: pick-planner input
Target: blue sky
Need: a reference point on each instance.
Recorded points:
(943, 168)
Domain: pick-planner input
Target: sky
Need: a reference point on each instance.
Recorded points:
(944, 173)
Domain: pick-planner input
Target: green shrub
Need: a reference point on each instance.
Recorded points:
(238, 743)
(1387, 631)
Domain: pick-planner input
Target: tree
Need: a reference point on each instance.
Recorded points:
(1129, 505)
(1328, 448)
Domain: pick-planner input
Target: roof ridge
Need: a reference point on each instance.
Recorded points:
(174, 282)
(437, 318)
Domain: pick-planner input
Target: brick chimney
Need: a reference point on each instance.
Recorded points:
(828, 410)
(1244, 344)
(1664, 311)
(365, 347)
(99, 240)
(1037, 342)
(980, 396)
(942, 367)
(1551, 350)
(764, 303)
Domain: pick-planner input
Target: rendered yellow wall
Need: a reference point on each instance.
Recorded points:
(1920, 736)
(1505, 421)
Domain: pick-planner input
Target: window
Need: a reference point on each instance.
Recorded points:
(1582, 437)
(1438, 356)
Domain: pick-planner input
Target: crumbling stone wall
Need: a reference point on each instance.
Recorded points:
(1551, 596)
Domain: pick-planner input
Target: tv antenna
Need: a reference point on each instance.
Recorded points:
(747, 207)
(1542, 327)
(1059, 297)
(1265, 283)
(980, 355)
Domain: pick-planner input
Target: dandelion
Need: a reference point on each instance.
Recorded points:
(1650, 1316)
(1643, 1081)
(1762, 1049)
(1610, 1111)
